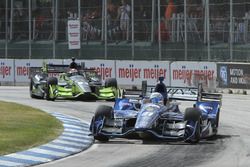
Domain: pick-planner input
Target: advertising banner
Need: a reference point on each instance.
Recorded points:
(134, 72)
(233, 75)
(105, 68)
(189, 74)
(74, 34)
(6, 70)
(22, 67)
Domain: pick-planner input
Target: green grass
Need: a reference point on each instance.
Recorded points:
(23, 127)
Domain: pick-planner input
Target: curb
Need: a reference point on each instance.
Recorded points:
(74, 139)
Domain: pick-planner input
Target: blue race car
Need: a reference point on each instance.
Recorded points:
(151, 118)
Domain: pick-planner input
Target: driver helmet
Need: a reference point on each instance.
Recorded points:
(156, 98)
(161, 79)
(72, 72)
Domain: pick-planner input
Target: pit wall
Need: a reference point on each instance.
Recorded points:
(179, 73)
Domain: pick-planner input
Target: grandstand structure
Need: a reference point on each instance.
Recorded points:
(174, 30)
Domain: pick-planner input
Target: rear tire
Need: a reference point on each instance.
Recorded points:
(217, 119)
(193, 115)
(102, 111)
(111, 82)
(216, 125)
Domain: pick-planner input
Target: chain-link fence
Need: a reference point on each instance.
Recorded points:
(197, 30)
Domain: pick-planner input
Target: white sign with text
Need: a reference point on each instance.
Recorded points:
(22, 67)
(134, 72)
(189, 74)
(6, 70)
(74, 34)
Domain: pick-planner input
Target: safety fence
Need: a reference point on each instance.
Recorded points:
(207, 30)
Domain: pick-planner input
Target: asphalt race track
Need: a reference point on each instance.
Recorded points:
(230, 148)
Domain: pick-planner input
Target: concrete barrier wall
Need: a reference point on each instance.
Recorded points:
(179, 73)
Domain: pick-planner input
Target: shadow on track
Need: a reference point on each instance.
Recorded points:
(219, 137)
(212, 140)
(206, 141)
(122, 141)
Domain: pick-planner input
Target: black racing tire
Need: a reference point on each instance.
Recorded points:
(31, 94)
(50, 81)
(194, 114)
(216, 125)
(103, 111)
(217, 119)
(31, 87)
(111, 82)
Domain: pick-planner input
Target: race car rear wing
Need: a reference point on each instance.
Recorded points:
(34, 70)
(48, 69)
(60, 68)
(55, 69)
(135, 93)
(207, 96)
(132, 94)
(177, 93)
(182, 93)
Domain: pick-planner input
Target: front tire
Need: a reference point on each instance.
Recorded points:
(31, 88)
(101, 112)
(52, 82)
(193, 118)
